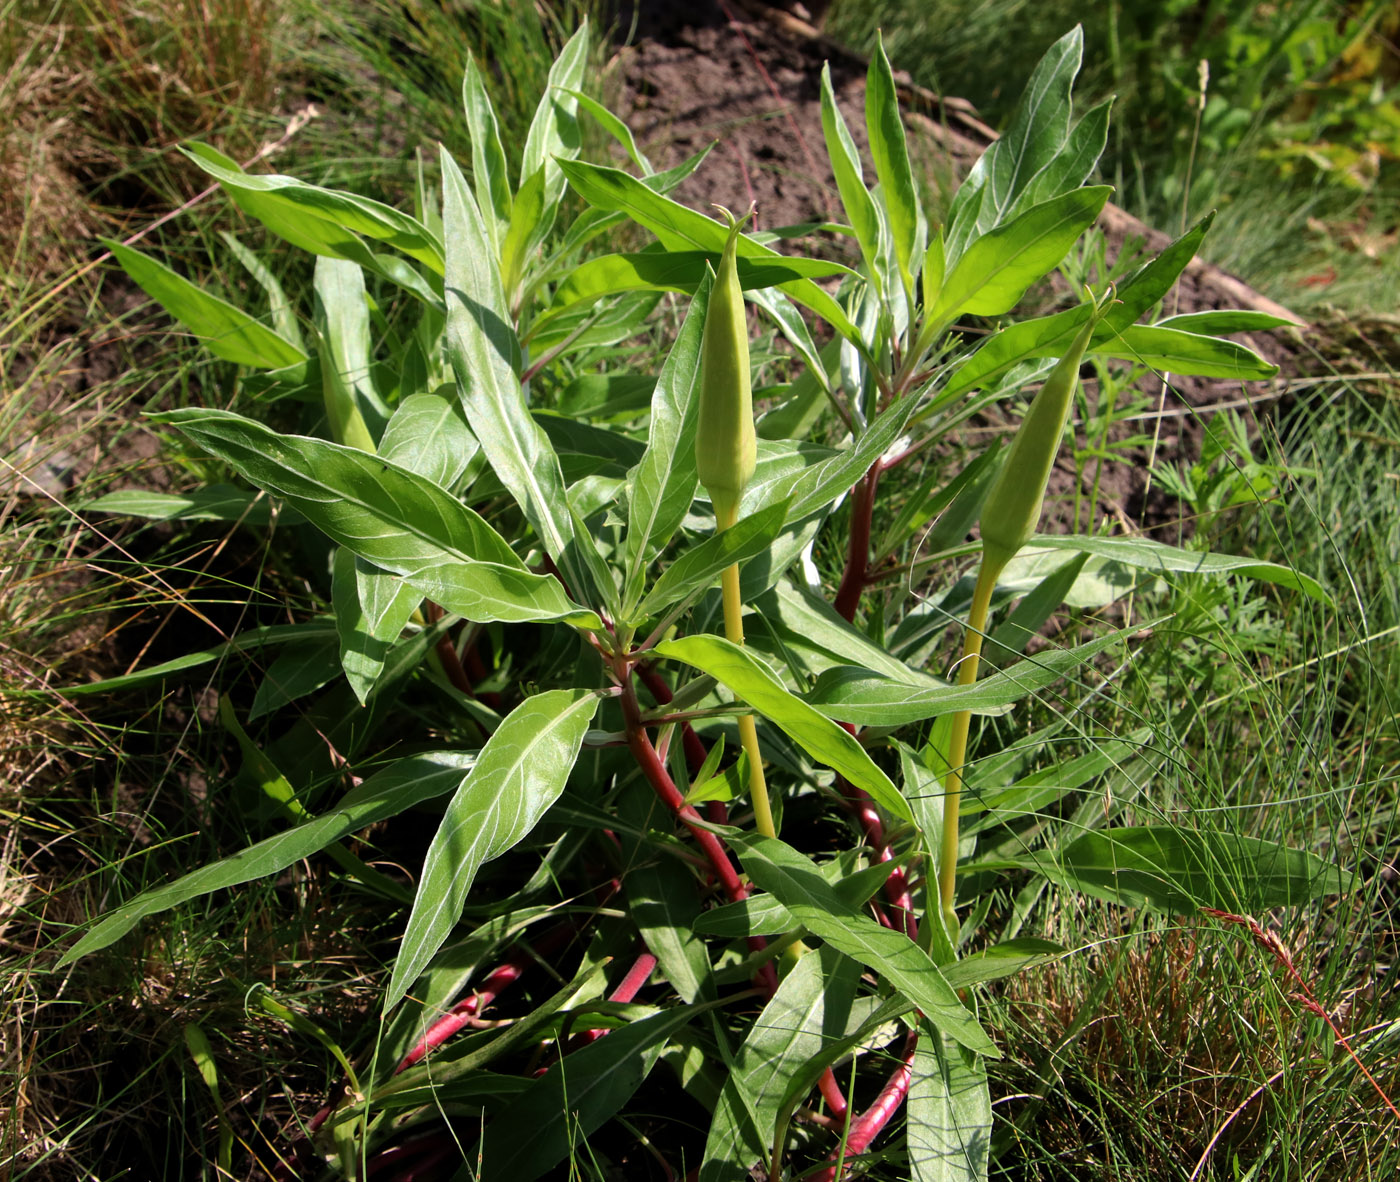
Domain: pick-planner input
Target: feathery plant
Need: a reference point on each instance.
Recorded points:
(557, 590)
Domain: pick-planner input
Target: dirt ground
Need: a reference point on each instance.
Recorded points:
(748, 78)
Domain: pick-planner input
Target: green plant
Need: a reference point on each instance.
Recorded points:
(544, 673)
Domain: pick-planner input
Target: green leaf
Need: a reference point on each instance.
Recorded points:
(850, 181)
(490, 174)
(283, 202)
(948, 1113)
(301, 668)
(1044, 336)
(388, 603)
(1000, 960)
(284, 317)
(387, 793)
(663, 903)
(229, 332)
(1158, 556)
(1222, 321)
(995, 271)
(615, 127)
(429, 435)
(1150, 282)
(680, 228)
(662, 486)
(1073, 164)
(342, 329)
(866, 698)
(1170, 350)
(575, 1097)
(817, 485)
(1179, 870)
(1034, 137)
(890, 151)
(252, 639)
(481, 344)
(361, 652)
(518, 774)
(763, 915)
(214, 502)
(392, 518)
(700, 565)
(752, 681)
(799, 886)
(554, 131)
(678, 270)
(811, 1009)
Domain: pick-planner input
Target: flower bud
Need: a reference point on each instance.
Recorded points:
(726, 445)
(1012, 510)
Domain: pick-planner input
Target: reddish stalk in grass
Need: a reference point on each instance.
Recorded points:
(1305, 996)
(872, 1121)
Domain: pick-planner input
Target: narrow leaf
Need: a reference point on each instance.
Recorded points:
(518, 774)
(1158, 556)
(229, 332)
(752, 681)
(799, 886)
(387, 793)
(949, 1113)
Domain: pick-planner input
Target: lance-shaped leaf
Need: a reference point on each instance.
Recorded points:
(482, 347)
(489, 171)
(763, 915)
(680, 271)
(228, 332)
(866, 698)
(750, 679)
(680, 228)
(662, 485)
(429, 435)
(1174, 351)
(518, 774)
(811, 1009)
(362, 653)
(948, 1111)
(392, 518)
(356, 412)
(1178, 870)
(846, 167)
(799, 886)
(1034, 137)
(1146, 554)
(297, 203)
(387, 793)
(890, 151)
(700, 566)
(993, 274)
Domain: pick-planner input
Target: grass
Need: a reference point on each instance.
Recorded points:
(1278, 719)
(1294, 146)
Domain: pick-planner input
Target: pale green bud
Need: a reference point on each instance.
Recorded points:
(726, 445)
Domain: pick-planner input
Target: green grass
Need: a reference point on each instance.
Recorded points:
(1277, 717)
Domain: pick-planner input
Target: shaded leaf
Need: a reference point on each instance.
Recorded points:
(518, 774)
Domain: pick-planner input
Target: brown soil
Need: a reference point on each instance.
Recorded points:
(746, 77)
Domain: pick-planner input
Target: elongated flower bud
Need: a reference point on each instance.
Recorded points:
(726, 446)
(1013, 507)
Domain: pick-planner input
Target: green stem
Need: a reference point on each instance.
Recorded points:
(987, 574)
(748, 731)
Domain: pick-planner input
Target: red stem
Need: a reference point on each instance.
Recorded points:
(853, 578)
(868, 1125)
(715, 811)
(665, 788)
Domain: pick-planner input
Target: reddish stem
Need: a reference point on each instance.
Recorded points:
(665, 788)
(715, 811)
(868, 1125)
(853, 578)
